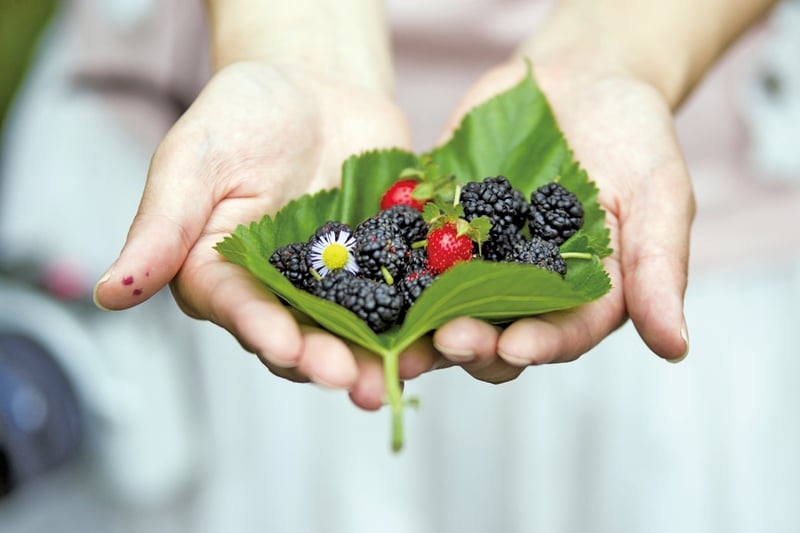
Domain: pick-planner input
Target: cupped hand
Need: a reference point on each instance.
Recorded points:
(621, 131)
(256, 137)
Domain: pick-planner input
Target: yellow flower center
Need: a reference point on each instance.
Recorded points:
(335, 256)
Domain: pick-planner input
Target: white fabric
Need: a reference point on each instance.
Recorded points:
(198, 437)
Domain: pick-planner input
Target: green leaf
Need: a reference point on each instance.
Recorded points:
(481, 289)
(514, 134)
(366, 177)
(480, 227)
(431, 212)
(424, 191)
(415, 173)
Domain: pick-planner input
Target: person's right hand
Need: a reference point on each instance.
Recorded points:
(257, 136)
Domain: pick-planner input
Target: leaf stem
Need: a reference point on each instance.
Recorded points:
(387, 276)
(394, 396)
(577, 255)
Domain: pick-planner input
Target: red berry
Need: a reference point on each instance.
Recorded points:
(446, 248)
(400, 193)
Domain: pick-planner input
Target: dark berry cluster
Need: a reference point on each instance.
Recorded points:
(367, 269)
(554, 214)
(380, 267)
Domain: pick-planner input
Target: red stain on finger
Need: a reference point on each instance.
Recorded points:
(128, 280)
(137, 292)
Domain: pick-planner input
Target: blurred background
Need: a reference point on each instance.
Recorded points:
(21, 24)
(147, 422)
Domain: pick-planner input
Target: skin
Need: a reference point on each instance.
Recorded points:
(614, 72)
(297, 92)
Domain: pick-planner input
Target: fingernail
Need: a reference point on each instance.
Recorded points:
(685, 337)
(279, 362)
(515, 361)
(456, 354)
(104, 278)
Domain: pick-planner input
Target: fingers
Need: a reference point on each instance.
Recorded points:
(174, 209)
(564, 335)
(473, 344)
(325, 360)
(370, 390)
(466, 341)
(228, 296)
(655, 260)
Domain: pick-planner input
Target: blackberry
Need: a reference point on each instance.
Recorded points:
(417, 277)
(291, 261)
(555, 213)
(331, 226)
(500, 246)
(379, 245)
(497, 199)
(412, 284)
(407, 219)
(378, 304)
(417, 260)
(541, 253)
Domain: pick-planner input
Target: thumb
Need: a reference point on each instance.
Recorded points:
(655, 256)
(174, 209)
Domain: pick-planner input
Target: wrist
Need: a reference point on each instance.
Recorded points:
(349, 41)
(667, 45)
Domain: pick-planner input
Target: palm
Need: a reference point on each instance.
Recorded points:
(254, 139)
(621, 132)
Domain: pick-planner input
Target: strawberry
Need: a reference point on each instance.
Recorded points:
(418, 186)
(450, 238)
(446, 248)
(401, 193)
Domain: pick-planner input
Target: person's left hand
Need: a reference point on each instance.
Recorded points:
(621, 131)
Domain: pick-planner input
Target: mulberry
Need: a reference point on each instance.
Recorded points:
(380, 249)
(501, 245)
(407, 219)
(417, 278)
(330, 227)
(376, 303)
(291, 261)
(555, 213)
(496, 199)
(541, 253)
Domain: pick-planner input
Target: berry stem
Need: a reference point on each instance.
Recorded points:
(457, 194)
(387, 276)
(394, 396)
(577, 255)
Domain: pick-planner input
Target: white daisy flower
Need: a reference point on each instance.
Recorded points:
(333, 252)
